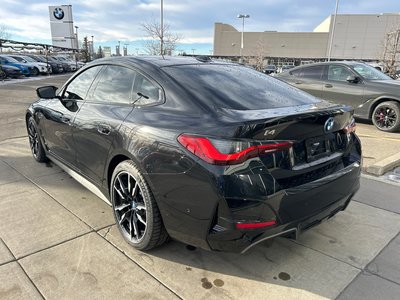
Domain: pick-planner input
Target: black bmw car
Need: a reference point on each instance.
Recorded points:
(210, 153)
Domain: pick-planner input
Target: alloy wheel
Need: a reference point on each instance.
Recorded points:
(130, 207)
(33, 139)
(385, 117)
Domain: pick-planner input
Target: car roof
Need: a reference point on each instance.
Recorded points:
(152, 64)
(166, 61)
(342, 62)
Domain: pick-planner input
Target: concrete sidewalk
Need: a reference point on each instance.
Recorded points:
(59, 241)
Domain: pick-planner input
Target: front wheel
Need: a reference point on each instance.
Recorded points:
(35, 143)
(135, 209)
(35, 71)
(386, 116)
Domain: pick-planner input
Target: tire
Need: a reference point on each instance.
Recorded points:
(35, 142)
(35, 71)
(135, 209)
(386, 116)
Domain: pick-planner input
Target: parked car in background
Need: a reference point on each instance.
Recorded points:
(68, 66)
(11, 71)
(374, 95)
(38, 67)
(270, 69)
(6, 60)
(78, 63)
(56, 67)
(213, 154)
(72, 64)
(285, 68)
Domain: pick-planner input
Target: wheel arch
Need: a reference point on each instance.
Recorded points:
(114, 162)
(379, 101)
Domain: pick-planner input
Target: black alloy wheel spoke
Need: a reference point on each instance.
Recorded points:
(122, 206)
(129, 207)
(140, 218)
(135, 226)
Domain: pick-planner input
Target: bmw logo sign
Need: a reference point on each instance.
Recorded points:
(58, 13)
(329, 124)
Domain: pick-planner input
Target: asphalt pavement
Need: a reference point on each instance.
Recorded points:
(59, 241)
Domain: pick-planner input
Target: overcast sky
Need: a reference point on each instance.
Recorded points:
(112, 20)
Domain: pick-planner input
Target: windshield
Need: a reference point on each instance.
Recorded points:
(27, 58)
(236, 87)
(37, 58)
(370, 73)
(19, 59)
(10, 59)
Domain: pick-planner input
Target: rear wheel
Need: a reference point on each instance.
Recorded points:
(135, 210)
(35, 143)
(386, 116)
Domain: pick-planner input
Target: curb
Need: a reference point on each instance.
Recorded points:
(385, 165)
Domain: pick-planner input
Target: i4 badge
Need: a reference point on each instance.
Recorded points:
(329, 124)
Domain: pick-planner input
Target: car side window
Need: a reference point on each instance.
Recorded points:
(313, 72)
(79, 86)
(146, 92)
(114, 86)
(338, 73)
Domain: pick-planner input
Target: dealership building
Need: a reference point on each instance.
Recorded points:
(358, 37)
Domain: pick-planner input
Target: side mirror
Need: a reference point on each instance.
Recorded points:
(46, 92)
(352, 79)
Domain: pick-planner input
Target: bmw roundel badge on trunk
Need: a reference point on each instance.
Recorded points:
(329, 124)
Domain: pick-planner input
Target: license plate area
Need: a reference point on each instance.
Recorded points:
(317, 148)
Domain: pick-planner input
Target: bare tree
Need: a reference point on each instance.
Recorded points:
(391, 51)
(259, 53)
(4, 32)
(4, 35)
(155, 34)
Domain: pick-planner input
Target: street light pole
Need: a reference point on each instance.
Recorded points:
(92, 48)
(242, 16)
(76, 37)
(77, 47)
(333, 31)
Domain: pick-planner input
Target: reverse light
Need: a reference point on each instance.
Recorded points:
(227, 152)
(255, 225)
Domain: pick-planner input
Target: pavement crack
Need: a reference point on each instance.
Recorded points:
(106, 233)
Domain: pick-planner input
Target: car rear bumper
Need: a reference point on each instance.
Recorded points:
(339, 189)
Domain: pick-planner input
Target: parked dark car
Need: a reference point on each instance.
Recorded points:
(374, 95)
(210, 153)
(270, 69)
(56, 68)
(10, 71)
(66, 67)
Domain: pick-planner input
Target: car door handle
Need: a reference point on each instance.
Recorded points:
(298, 82)
(103, 129)
(328, 85)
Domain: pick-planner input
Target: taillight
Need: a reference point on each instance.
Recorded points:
(229, 152)
(351, 127)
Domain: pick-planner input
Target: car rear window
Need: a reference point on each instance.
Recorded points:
(237, 87)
